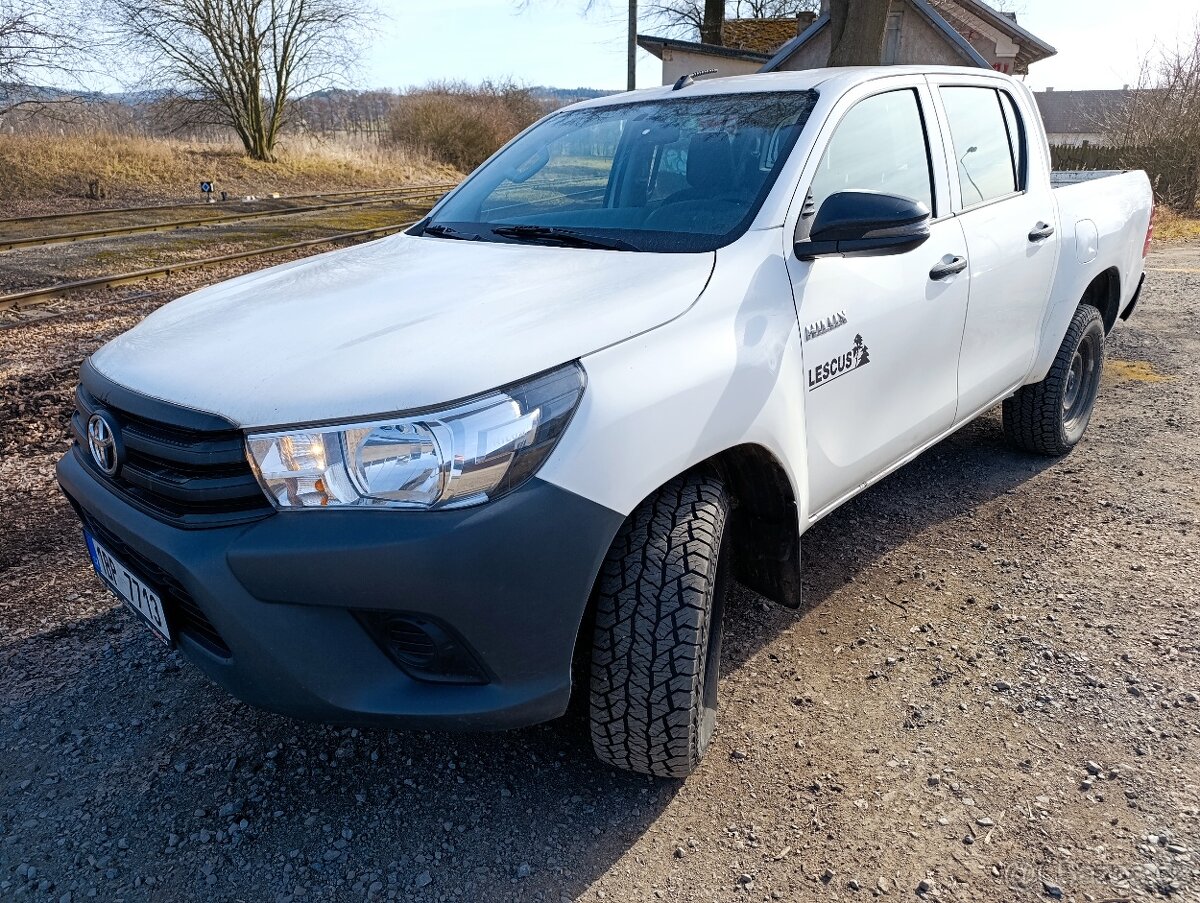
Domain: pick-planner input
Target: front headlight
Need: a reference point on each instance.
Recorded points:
(464, 455)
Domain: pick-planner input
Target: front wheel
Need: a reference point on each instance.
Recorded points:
(656, 648)
(1049, 417)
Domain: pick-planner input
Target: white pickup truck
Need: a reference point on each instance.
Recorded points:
(441, 478)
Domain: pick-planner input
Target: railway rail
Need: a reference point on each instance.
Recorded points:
(18, 301)
(109, 211)
(35, 241)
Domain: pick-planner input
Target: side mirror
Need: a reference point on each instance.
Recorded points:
(867, 223)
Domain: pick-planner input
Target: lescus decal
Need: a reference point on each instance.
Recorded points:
(825, 373)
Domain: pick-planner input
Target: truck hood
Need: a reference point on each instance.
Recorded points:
(394, 325)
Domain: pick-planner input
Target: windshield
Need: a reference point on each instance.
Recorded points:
(684, 174)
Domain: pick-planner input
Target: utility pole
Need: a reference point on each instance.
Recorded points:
(631, 67)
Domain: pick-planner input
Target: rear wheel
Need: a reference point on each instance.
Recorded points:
(1049, 417)
(656, 647)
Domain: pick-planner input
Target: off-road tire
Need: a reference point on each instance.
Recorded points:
(656, 646)
(1049, 417)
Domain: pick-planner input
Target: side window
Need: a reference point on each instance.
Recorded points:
(980, 136)
(880, 145)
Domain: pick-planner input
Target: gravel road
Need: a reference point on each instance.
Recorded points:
(990, 695)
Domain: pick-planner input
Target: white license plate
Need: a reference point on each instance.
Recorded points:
(130, 589)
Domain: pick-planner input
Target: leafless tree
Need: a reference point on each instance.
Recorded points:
(243, 61)
(1157, 127)
(37, 45)
(704, 18)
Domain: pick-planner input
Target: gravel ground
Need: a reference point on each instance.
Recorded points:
(990, 694)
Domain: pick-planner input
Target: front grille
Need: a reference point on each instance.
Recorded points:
(184, 615)
(181, 466)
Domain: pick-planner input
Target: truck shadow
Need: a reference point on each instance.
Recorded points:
(217, 800)
(969, 468)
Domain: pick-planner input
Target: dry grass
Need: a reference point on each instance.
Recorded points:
(1170, 226)
(38, 167)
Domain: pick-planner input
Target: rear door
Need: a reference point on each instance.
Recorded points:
(1009, 225)
(880, 336)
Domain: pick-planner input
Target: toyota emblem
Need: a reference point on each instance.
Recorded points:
(104, 442)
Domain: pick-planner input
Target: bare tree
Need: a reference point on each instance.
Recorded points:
(857, 28)
(704, 18)
(36, 45)
(244, 60)
(1157, 127)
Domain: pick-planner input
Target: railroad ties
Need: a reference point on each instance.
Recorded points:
(23, 299)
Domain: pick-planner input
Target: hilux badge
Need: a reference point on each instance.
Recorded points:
(103, 444)
(829, 324)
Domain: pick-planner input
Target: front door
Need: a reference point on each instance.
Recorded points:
(880, 335)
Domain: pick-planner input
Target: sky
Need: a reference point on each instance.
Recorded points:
(552, 42)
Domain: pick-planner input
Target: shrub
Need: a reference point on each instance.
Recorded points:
(461, 124)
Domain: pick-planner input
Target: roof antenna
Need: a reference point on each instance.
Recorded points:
(685, 80)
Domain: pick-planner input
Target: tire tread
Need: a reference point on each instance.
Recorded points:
(653, 607)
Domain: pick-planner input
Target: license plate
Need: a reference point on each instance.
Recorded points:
(130, 589)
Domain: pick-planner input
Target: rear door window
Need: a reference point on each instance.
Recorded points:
(980, 137)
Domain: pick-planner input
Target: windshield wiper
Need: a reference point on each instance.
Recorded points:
(563, 236)
(440, 231)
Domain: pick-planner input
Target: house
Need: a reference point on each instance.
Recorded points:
(925, 32)
(1080, 118)
(746, 46)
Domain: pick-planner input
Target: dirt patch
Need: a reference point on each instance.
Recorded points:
(1137, 371)
(989, 695)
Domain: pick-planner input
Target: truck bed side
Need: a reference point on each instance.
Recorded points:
(1102, 224)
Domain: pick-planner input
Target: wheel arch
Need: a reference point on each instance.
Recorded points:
(765, 530)
(765, 523)
(1104, 294)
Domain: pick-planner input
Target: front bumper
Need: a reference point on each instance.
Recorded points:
(286, 595)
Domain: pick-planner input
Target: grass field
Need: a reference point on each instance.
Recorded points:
(36, 167)
(1170, 226)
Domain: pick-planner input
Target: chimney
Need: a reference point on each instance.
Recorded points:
(1049, 90)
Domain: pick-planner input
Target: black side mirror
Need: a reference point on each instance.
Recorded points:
(865, 222)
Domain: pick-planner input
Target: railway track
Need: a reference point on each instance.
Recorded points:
(35, 241)
(18, 301)
(109, 211)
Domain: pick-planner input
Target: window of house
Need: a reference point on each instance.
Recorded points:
(980, 137)
(880, 145)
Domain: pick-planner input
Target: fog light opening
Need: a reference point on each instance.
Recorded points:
(423, 648)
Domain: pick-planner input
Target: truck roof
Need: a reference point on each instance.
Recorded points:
(801, 80)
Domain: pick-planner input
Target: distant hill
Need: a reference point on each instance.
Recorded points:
(564, 96)
(10, 93)
(13, 93)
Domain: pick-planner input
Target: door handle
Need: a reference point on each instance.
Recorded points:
(1041, 232)
(956, 264)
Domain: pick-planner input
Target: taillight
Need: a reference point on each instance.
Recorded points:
(1149, 233)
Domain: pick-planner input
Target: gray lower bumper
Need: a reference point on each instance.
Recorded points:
(510, 578)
